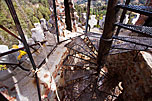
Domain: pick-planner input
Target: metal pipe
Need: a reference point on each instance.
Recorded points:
(5, 29)
(56, 23)
(88, 14)
(108, 32)
(20, 31)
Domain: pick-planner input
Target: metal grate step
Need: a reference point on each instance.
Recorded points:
(143, 41)
(145, 10)
(79, 45)
(144, 30)
(79, 63)
(90, 44)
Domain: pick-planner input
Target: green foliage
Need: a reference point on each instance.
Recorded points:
(44, 3)
(31, 15)
(104, 12)
(39, 14)
(34, 1)
(35, 20)
(44, 11)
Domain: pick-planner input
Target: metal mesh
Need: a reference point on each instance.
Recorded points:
(141, 29)
(147, 10)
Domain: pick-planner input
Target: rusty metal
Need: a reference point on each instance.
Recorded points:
(90, 44)
(15, 50)
(78, 45)
(134, 40)
(143, 30)
(108, 32)
(122, 17)
(18, 26)
(145, 10)
(15, 65)
(56, 22)
(5, 29)
(88, 14)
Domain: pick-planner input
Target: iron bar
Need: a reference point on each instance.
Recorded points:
(137, 9)
(20, 31)
(71, 38)
(44, 61)
(69, 85)
(92, 46)
(15, 50)
(5, 29)
(121, 38)
(81, 77)
(67, 15)
(131, 49)
(16, 65)
(122, 17)
(88, 14)
(83, 59)
(79, 52)
(133, 28)
(84, 49)
(56, 22)
(89, 52)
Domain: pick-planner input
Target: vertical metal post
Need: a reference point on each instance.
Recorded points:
(67, 15)
(106, 39)
(88, 14)
(20, 31)
(56, 22)
(122, 17)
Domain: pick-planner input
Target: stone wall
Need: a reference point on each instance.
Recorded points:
(133, 69)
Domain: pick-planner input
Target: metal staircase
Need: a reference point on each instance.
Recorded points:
(86, 78)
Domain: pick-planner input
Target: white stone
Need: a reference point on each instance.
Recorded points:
(125, 21)
(134, 20)
(101, 22)
(43, 24)
(3, 48)
(37, 33)
(92, 21)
